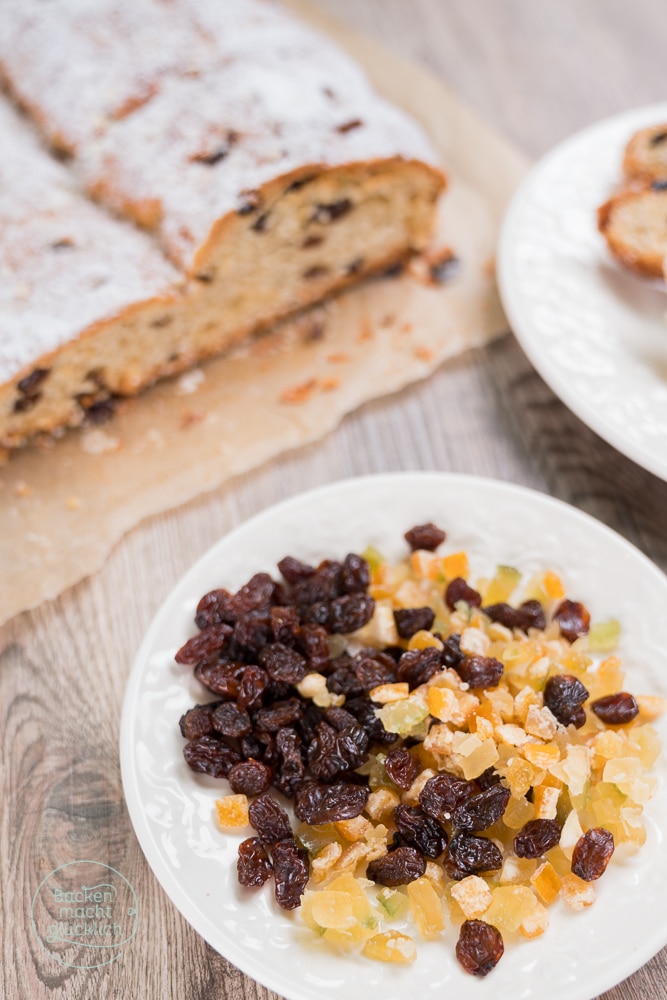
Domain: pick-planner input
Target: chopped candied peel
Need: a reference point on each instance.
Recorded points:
(460, 751)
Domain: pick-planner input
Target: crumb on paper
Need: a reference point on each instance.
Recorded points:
(366, 332)
(299, 393)
(97, 442)
(423, 353)
(406, 328)
(388, 320)
(4, 456)
(22, 291)
(72, 502)
(338, 358)
(190, 382)
(190, 418)
(329, 384)
(22, 489)
(489, 267)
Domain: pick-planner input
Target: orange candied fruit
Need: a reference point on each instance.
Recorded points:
(232, 811)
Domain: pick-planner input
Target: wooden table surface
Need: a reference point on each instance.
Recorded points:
(538, 71)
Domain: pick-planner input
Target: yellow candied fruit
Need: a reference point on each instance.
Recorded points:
(390, 946)
(332, 909)
(502, 586)
(424, 640)
(232, 811)
(517, 870)
(510, 905)
(546, 882)
(518, 812)
(386, 694)
(651, 706)
(426, 907)
(381, 803)
(443, 704)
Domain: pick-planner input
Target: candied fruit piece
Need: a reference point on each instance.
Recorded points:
(232, 811)
(455, 565)
(577, 893)
(426, 907)
(536, 922)
(394, 903)
(510, 905)
(403, 717)
(332, 909)
(472, 895)
(390, 946)
(545, 800)
(424, 640)
(546, 883)
(603, 637)
(570, 833)
(503, 585)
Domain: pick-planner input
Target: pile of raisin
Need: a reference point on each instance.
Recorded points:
(253, 649)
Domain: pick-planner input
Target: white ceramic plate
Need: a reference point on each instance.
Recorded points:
(596, 333)
(172, 808)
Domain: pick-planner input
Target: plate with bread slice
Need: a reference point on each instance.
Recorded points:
(582, 275)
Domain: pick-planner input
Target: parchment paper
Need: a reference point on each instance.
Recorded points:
(63, 507)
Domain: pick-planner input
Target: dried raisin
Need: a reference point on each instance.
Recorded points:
(209, 642)
(424, 536)
(479, 947)
(592, 853)
(269, 819)
(480, 671)
(399, 867)
(616, 709)
(197, 722)
(411, 620)
(564, 695)
(210, 755)
(332, 753)
(481, 811)
(419, 665)
(290, 871)
(250, 777)
(230, 720)
(458, 590)
(317, 803)
(420, 831)
(282, 663)
(294, 570)
(401, 767)
(441, 795)
(253, 866)
(573, 619)
(468, 854)
(355, 574)
(536, 838)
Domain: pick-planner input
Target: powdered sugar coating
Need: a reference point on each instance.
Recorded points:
(64, 264)
(235, 94)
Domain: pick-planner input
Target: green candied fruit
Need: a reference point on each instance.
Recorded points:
(393, 903)
(374, 558)
(603, 637)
